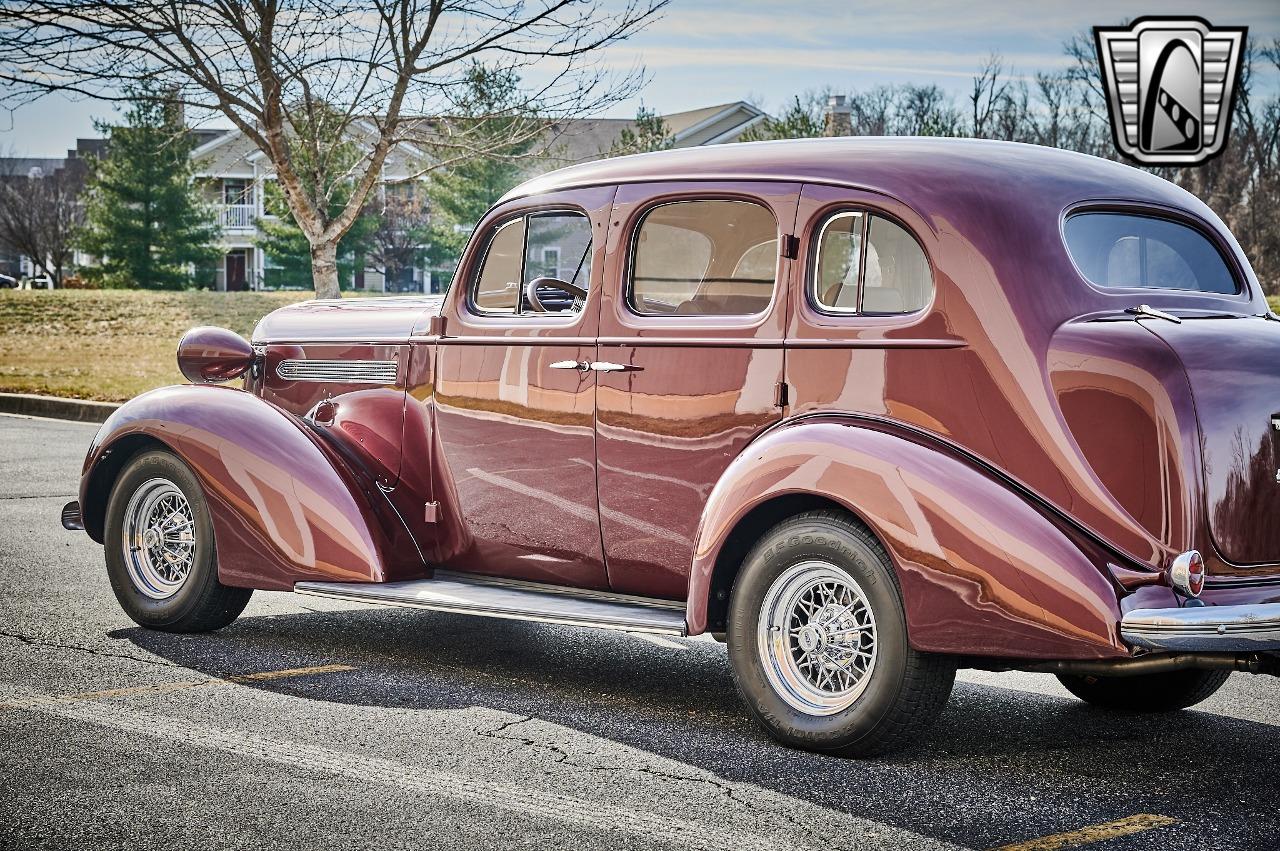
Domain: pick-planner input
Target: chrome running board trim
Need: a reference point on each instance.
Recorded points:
(1250, 627)
(511, 600)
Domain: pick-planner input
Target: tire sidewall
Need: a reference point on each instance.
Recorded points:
(791, 544)
(142, 609)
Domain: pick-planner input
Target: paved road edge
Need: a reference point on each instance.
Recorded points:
(79, 410)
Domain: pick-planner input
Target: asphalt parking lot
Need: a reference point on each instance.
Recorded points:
(314, 724)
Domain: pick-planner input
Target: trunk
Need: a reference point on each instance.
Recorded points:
(324, 269)
(1231, 367)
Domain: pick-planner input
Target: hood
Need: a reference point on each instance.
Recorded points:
(1233, 368)
(387, 319)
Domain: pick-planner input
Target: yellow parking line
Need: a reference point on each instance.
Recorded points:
(289, 672)
(1092, 834)
(161, 688)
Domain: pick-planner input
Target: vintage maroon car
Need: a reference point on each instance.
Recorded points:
(868, 409)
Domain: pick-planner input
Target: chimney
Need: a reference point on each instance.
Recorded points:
(839, 117)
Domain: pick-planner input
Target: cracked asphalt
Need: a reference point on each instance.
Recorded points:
(395, 728)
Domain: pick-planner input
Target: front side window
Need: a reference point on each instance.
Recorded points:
(870, 265)
(1119, 250)
(706, 258)
(554, 246)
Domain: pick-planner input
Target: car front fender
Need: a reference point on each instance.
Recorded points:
(285, 505)
(984, 569)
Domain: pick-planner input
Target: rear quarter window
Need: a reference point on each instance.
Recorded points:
(1125, 251)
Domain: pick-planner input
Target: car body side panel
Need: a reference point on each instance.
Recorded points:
(983, 570)
(287, 505)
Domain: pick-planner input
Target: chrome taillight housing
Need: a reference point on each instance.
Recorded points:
(1187, 574)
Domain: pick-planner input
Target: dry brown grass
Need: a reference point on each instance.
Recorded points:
(111, 344)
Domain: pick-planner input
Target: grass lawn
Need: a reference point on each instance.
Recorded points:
(111, 344)
(114, 344)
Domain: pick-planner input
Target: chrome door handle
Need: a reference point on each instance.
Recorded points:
(571, 364)
(606, 366)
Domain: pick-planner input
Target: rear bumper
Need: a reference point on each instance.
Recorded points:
(1243, 628)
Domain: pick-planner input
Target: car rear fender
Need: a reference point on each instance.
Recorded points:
(286, 506)
(984, 570)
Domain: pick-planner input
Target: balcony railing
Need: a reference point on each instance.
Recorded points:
(238, 215)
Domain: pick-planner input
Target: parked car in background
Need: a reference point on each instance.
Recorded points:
(869, 410)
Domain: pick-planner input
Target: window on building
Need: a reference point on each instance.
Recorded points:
(868, 264)
(709, 258)
(1119, 250)
(237, 191)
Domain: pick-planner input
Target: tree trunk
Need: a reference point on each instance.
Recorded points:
(324, 269)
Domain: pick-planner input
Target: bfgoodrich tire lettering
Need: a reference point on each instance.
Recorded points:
(902, 691)
(197, 602)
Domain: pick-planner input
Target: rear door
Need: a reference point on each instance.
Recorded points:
(690, 362)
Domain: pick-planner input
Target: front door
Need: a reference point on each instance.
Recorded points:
(236, 270)
(515, 394)
(691, 334)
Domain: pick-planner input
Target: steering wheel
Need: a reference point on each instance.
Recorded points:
(577, 293)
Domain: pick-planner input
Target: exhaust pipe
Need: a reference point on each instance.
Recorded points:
(1253, 663)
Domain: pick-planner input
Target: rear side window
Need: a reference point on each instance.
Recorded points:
(868, 264)
(1117, 250)
(707, 258)
(539, 245)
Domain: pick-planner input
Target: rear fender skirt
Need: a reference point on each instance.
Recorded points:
(286, 505)
(983, 569)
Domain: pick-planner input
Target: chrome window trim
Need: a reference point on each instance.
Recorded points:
(523, 218)
(339, 371)
(633, 247)
(865, 229)
(869, 214)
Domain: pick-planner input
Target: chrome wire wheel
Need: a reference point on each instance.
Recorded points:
(817, 637)
(159, 539)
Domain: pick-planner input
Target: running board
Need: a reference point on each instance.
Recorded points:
(514, 600)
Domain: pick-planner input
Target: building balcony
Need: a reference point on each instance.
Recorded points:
(238, 216)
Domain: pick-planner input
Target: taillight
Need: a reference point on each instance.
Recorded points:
(1187, 574)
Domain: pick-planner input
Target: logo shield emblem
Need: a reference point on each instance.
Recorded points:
(1171, 85)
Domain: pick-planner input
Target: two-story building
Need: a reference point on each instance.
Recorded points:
(235, 177)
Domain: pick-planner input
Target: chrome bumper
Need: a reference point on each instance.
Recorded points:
(1205, 628)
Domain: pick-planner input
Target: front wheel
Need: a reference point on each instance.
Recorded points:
(1168, 691)
(160, 551)
(818, 641)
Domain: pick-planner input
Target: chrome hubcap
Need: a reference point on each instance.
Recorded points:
(159, 539)
(817, 637)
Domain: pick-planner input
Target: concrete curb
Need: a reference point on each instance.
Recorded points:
(79, 410)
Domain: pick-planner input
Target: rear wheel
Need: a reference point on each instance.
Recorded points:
(160, 551)
(818, 641)
(1163, 692)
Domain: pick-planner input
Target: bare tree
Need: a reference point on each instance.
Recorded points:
(304, 79)
(40, 215)
(399, 241)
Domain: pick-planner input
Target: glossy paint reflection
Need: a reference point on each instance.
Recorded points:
(284, 505)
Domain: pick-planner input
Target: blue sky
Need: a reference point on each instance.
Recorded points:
(704, 52)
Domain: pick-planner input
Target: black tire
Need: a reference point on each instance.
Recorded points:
(1164, 692)
(202, 603)
(905, 689)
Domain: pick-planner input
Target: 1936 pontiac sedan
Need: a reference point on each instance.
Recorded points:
(867, 409)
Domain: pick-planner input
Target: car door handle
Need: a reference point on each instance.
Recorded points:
(606, 366)
(572, 364)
